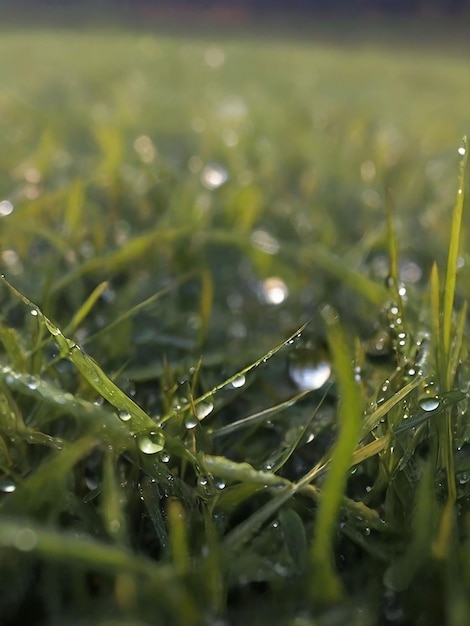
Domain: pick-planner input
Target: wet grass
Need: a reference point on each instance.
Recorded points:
(233, 374)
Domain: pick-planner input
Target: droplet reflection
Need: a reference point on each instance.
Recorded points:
(6, 208)
(429, 404)
(239, 381)
(274, 290)
(7, 485)
(213, 176)
(203, 409)
(310, 375)
(151, 442)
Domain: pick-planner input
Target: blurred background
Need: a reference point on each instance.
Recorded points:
(249, 144)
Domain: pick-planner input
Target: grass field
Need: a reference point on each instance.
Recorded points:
(233, 375)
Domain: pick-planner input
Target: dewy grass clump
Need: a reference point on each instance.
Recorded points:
(228, 394)
(193, 515)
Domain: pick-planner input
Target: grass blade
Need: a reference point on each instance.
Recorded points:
(451, 274)
(324, 579)
(86, 307)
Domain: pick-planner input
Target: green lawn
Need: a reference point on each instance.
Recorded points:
(173, 210)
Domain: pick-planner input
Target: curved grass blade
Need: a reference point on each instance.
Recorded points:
(138, 420)
(241, 472)
(138, 307)
(260, 416)
(209, 394)
(372, 420)
(122, 257)
(48, 483)
(291, 449)
(95, 418)
(86, 307)
(374, 292)
(446, 401)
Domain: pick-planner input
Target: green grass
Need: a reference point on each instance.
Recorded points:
(242, 402)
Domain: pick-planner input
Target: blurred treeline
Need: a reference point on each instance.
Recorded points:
(239, 9)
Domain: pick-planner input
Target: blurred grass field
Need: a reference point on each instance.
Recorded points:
(178, 205)
(110, 134)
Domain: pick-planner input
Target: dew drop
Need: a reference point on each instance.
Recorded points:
(203, 409)
(463, 478)
(31, 382)
(125, 416)
(429, 404)
(7, 485)
(151, 442)
(53, 330)
(34, 312)
(239, 381)
(191, 422)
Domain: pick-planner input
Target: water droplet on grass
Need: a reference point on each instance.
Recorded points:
(239, 381)
(203, 409)
(463, 478)
(191, 422)
(7, 485)
(31, 382)
(204, 486)
(429, 404)
(125, 416)
(151, 442)
(53, 330)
